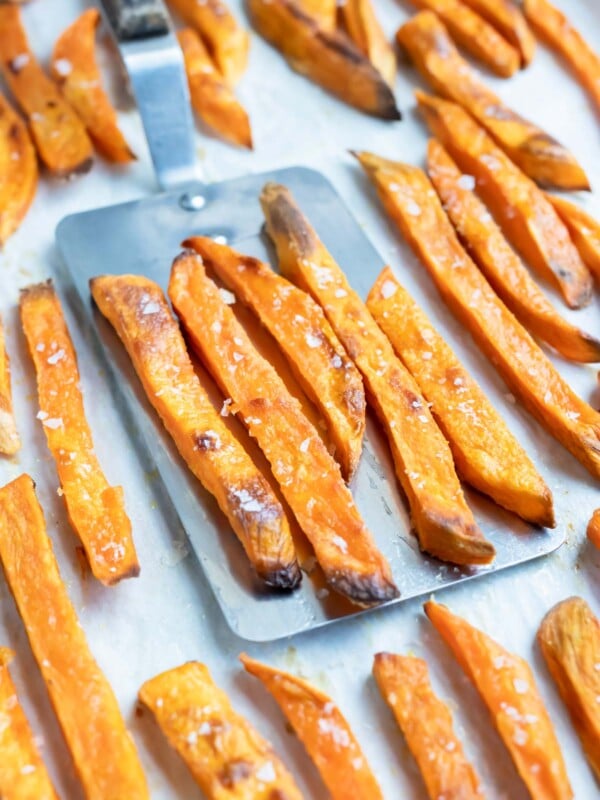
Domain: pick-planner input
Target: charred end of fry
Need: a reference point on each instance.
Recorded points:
(284, 218)
(364, 590)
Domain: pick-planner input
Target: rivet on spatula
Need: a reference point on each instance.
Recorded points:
(192, 202)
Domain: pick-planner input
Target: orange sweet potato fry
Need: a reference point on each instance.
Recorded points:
(554, 28)
(23, 775)
(102, 749)
(509, 21)
(329, 58)
(321, 365)
(443, 522)
(502, 267)
(584, 231)
(58, 133)
(569, 638)
(426, 723)
(526, 217)
(506, 685)
(471, 32)
(226, 40)
(138, 311)
(540, 156)
(9, 436)
(593, 528)
(323, 730)
(75, 70)
(367, 34)
(411, 202)
(18, 170)
(485, 452)
(226, 755)
(309, 478)
(324, 12)
(212, 98)
(96, 509)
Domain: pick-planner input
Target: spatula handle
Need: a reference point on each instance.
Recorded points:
(154, 63)
(134, 19)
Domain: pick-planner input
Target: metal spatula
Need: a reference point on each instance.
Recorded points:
(143, 237)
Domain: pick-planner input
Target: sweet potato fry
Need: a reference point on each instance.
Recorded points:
(526, 217)
(426, 723)
(102, 750)
(584, 231)
(226, 755)
(367, 34)
(328, 58)
(475, 35)
(554, 28)
(227, 42)
(18, 170)
(502, 267)
(321, 365)
(309, 478)
(593, 528)
(75, 70)
(138, 311)
(58, 133)
(411, 202)
(506, 685)
(569, 638)
(485, 452)
(443, 522)
(9, 436)
(323, 730)
(96, 510)
(540, 156)
(509, 21)
(324, 12)
(212, 98)
(23, 775)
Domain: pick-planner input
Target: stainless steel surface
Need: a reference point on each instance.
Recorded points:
(143, 237)
(154, 63)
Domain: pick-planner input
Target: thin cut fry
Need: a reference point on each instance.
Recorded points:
(9, 436)
(540, 156)
(556, 30)
(584, 231)
(325, 372)
(367, 34)
(443, 522)
(58, 133)
(569, 638)
(138, 311)
(502, 267)
(485, 452)
(526, 217)
(212, 98)
(471, 32)
(102, 749)
(23, 775)
(426, 723)
(509, 21)
(506, 685)
(96, 509)
(324, 12)
(329, 58)
(226, 755)
(309, 478)
(227, 42)
(411, 202)
(75, 70)
(18, 170)
(323, 730)
(593, 528)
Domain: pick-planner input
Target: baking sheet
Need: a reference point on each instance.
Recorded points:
(168, 615)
